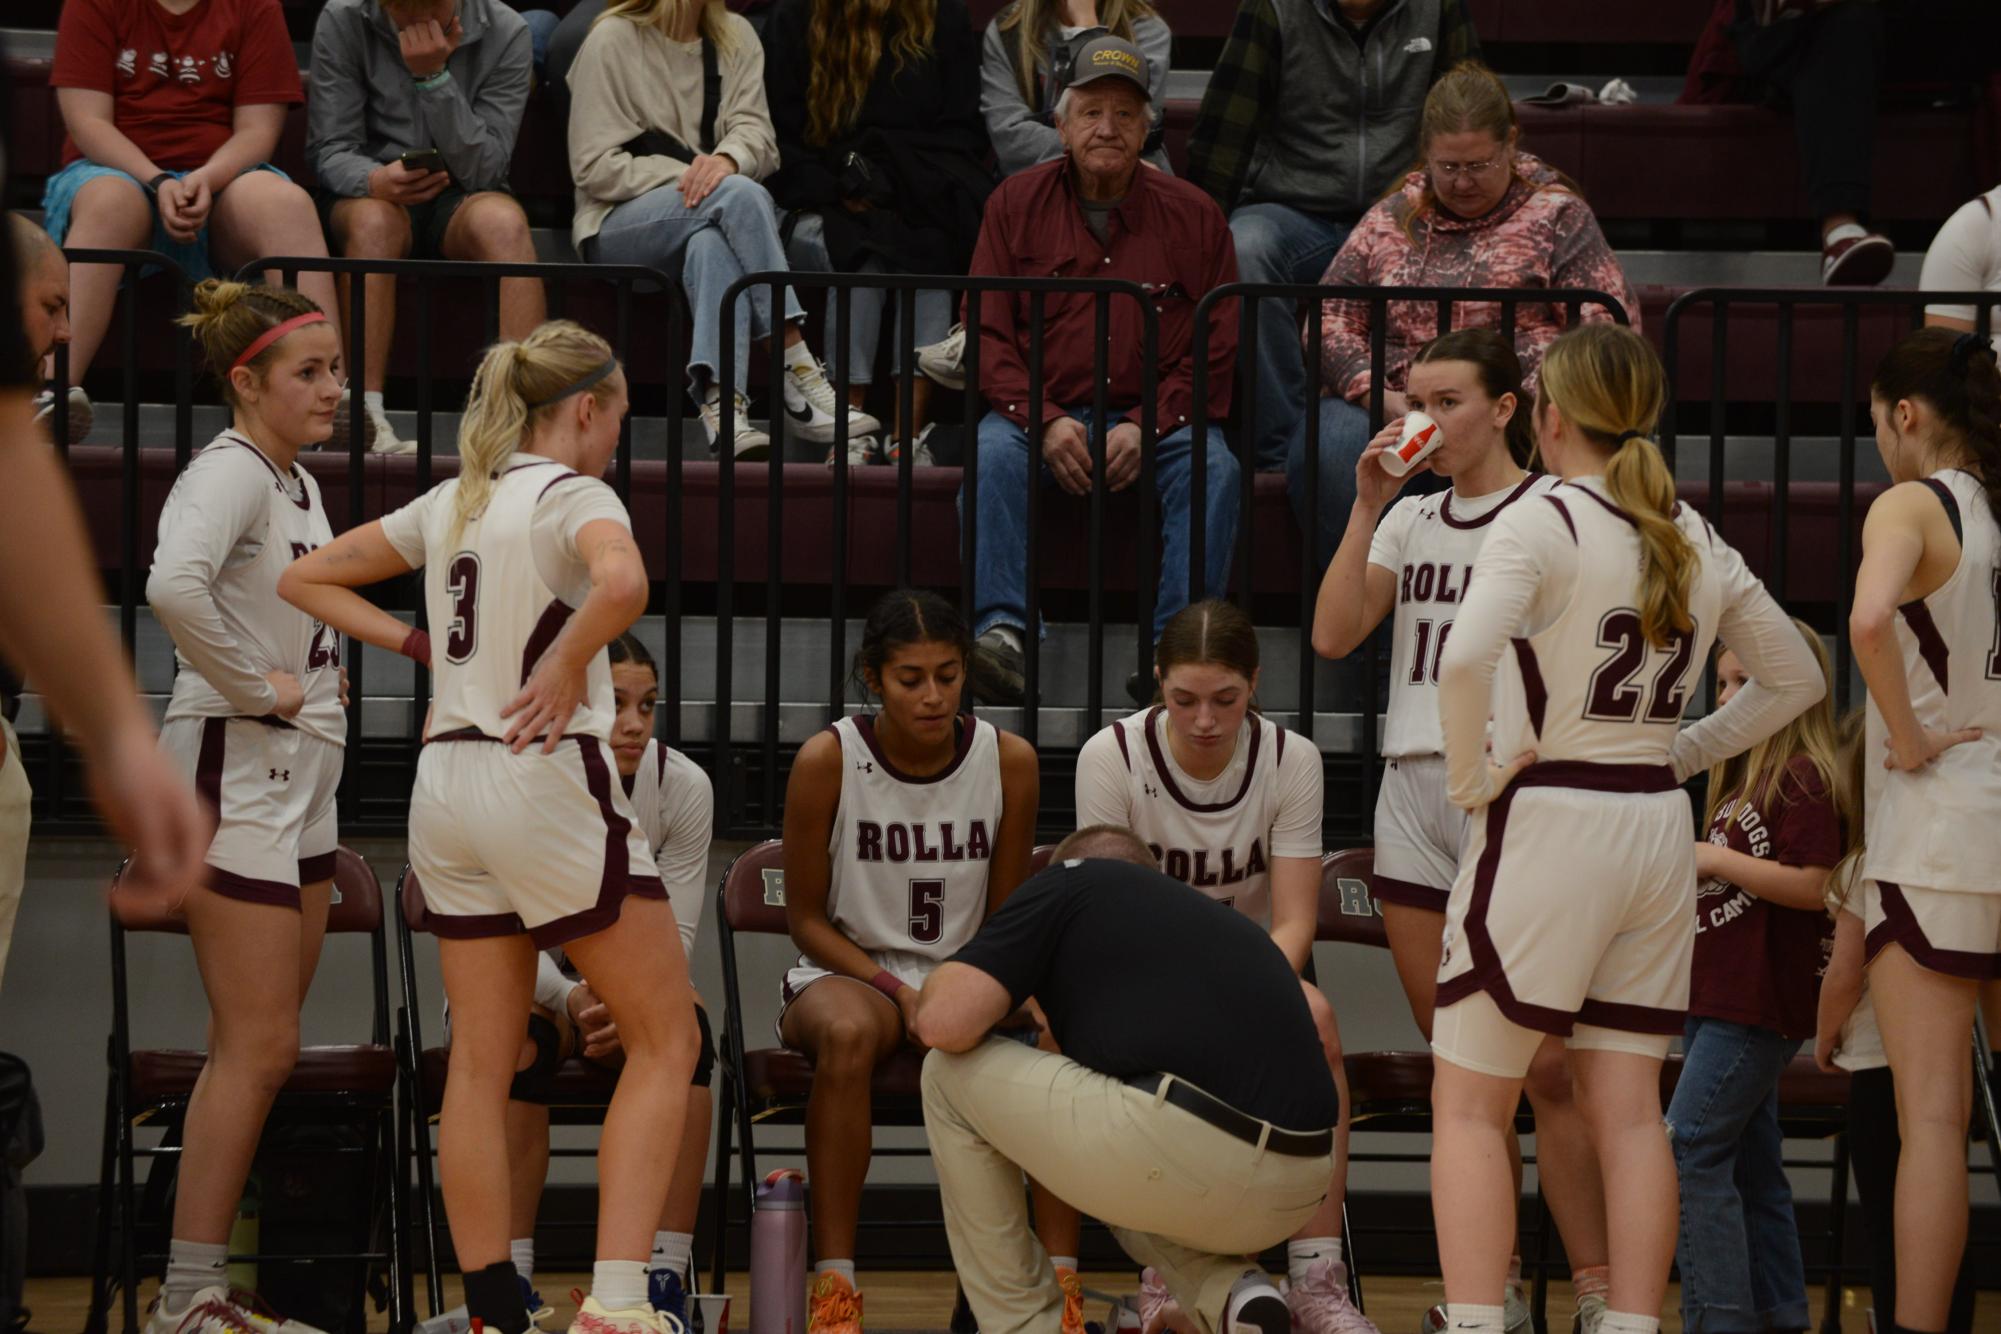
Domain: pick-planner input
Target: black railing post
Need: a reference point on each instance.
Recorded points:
(774, 554)
(1094, 678)
(1845, 504)
(1031, 637)
(837, 614)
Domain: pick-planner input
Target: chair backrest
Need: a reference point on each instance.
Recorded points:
(1349, 913)
(1038, 860)
(753, 892)
(357, 906)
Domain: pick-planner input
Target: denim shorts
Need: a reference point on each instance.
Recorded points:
(60, 193)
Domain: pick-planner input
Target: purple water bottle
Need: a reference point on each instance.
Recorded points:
(778, 1255)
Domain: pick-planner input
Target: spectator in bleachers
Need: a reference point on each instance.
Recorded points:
(1824, 58)
(411, 128)
(1311, 114)
(877, 108)
(44, 278)
(1479, 212)
(1026, 59)
(667, 175)
(1965, 256)
(173, 111)
(1096, 213)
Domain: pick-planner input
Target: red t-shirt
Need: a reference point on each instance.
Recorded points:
(176, 79)
(1756, 962)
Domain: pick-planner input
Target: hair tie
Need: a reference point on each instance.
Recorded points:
(577, 386)
(273, 334)
(1624, 436)
(1963, 349)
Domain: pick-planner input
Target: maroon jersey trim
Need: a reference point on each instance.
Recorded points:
(865, 724)
(1900, 925)
(304, 500)
(1445, 507)
(1533, 689)
(1161, 766)
(1931, 644)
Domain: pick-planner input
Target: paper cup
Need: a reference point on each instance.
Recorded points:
(1420, 438)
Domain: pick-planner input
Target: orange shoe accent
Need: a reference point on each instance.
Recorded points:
(834, 1306)
(1073, 1300)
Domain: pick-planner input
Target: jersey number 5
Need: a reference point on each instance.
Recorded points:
(462, 582)
(927, 911)
(1614, 697)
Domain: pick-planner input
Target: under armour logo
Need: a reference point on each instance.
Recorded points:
(865, 766)
(1151, 790)
(281, 775)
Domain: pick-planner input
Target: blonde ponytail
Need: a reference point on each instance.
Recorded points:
(1607, 382)
(498, 417)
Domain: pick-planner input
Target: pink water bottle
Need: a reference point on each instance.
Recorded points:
(778, 1255)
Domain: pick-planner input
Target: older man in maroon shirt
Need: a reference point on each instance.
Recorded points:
(1097, 212)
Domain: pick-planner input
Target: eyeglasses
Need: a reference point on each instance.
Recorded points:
(1453, 170)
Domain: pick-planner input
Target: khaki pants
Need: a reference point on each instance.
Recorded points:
(14, 798)
(1178, 1193)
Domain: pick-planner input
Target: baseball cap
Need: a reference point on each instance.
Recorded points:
(1107, 57)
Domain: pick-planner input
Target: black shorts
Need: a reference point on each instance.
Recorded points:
(428, 222)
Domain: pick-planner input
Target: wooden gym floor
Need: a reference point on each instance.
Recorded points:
(922, 1300)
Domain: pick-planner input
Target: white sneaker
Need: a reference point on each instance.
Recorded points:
(1590, 1315)
(219, 1310)
(945, 360)
(386, 441)
(80, 415)
(862, 449)
(594, 1319)
(920, 450)
(1255, 1307)
(1515, 1314)
(747, 443)
(810, 403)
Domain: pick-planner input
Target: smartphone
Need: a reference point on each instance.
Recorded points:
(423, 159)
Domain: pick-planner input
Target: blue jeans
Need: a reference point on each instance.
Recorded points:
(1739, 1246)
(931, 315)
(1279, 244)
(732, 232)
(542, 25)
(999, 564)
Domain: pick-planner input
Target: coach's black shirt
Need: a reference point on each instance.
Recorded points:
(17, 363)
(1137, 973)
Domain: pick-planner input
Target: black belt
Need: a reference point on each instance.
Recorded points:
(1204, 1107)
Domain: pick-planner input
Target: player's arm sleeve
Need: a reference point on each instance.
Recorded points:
(1301, 801)
(683, 854)
(552, 989)
(1519, 557)
(1961, 258)
(1103, 794)
(1784, 678)
(403, 528)
(567, 507)
(1386, 545)
(207, 514)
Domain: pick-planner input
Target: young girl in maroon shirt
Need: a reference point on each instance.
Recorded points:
(1775, 821)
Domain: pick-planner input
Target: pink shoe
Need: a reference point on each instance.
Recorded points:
(1320, 1302)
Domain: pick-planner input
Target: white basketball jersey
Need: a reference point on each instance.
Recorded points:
(910, 855)
(1221, 846)
(1590, 686)
(1429, 543)
(1940, 827)
(491, 614)
(273, 634)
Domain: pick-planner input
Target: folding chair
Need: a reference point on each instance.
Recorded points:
(771, 1084)
(329, 1085)
(579, 1093)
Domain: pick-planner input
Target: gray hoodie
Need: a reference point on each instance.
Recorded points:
(365, 109)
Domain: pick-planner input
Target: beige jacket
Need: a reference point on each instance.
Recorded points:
(628, 79)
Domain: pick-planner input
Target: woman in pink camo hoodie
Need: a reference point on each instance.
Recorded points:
(1478, 212)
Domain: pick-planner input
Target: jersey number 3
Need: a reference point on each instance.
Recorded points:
(1615, 697)
(462, 582)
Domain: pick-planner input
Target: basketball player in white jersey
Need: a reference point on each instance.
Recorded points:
(1924, 628)
(1231, 804)
(1573, 910)
(904, 830)
(256, 721)
(1417, 559)
(520, 833)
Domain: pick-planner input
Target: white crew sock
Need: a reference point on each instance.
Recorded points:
(521, 1250)
(372, 398)
(192, 1266)
(619, 1285)
(845, 1268)
(1068, 1262)
(798, 354)
(1475, 1319)
(672, 1254)
(1625, 1322)
(1302, 1253)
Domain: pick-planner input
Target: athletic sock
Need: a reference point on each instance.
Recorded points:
(522, 1251)
(798, 354)
(493, 1297)
(1475, 1319)
(619, 1285)
(672, 1254)
(192, 1266)
(1302, 1253)
(1591, 1280)
(372, 398)
(1068, 1262)
(845, 1268)
(1626, 1322)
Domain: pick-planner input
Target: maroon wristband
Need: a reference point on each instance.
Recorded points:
(417, 646)
(888, 983)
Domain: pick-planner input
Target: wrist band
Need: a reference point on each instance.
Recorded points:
(888, 983)
(153, 186)
(417, 647)
(427, 82)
